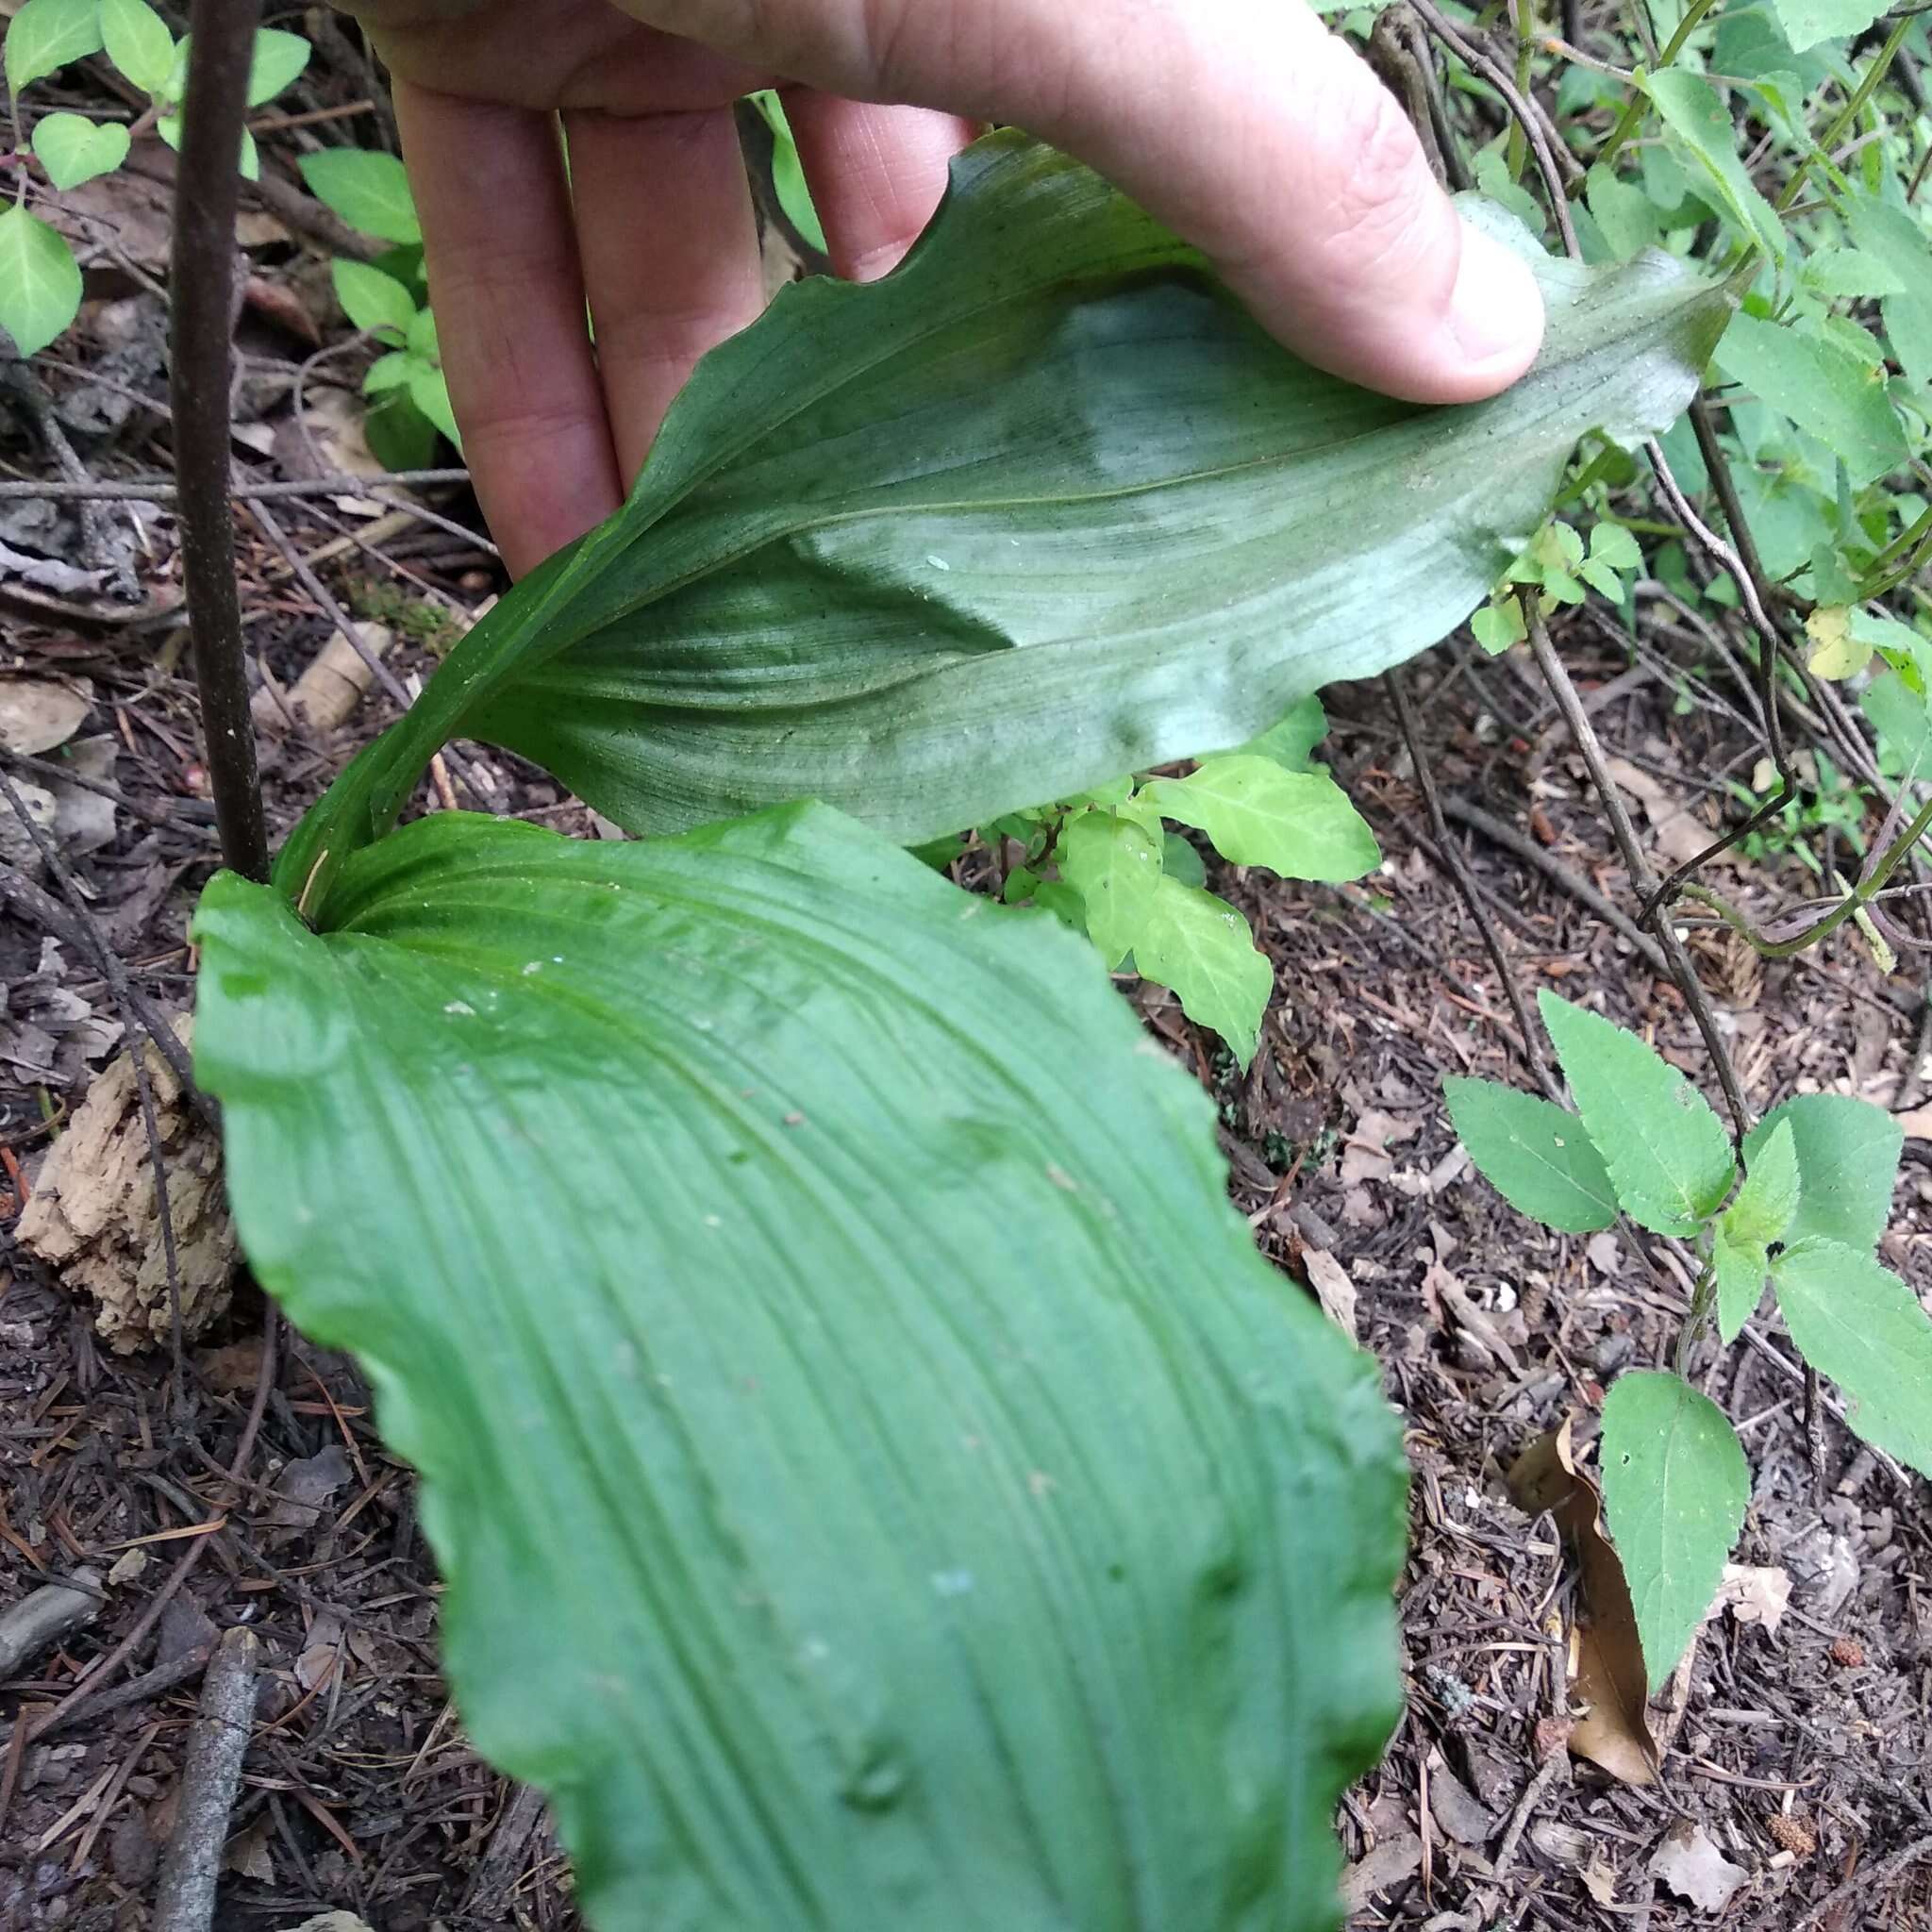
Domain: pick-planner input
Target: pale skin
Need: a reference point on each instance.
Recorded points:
(1242, 123)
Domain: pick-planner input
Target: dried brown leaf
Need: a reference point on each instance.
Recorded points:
(1609, 1687)
(1689, 1862)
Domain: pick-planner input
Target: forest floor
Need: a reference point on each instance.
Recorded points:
(246, 1484)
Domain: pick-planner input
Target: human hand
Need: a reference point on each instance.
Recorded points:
(1242, 123)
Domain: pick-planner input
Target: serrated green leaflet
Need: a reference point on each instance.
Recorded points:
(1297, 824)
(1767, 1204)
(47, 34)
(1674, 1484)
(1742, 1266)
(1808, 22)
(1042, 507)
(368, 189)
(1114, 865)
(39, 281)
(1536, 1156)
(1695, 113)
(834, 1552)
(1856, 1321)
(1821, 386)
(1668, 1157)
(1204, 949)
(74, 149)
(1847, 1153)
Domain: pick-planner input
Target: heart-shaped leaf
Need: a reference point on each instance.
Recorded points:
(74, 149)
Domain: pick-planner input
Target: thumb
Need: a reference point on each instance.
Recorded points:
(1263, 139)
(1244, 125)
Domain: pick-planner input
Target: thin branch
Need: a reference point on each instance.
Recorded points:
(211, 1776)
(1682, 972)
(1493, 940)
(1542, 145)
(160, 490)
(80, 928)
(203, 317)
(90, 1686)
(1525, 848)
(307, 578)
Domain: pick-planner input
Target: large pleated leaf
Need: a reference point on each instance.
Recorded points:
(1043, 506)
(877, 1482)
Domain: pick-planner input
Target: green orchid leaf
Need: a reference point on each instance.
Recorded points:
(39, 281)
(1669, 1155)
(1115, 866)
(1675, 1484)
(46, 35)
(1539, 1156)
(832, 1552)
(1298, 824)
(74, 149)
(788, 172)
(1202, 948)
(1042, 507)
(1855, 1321)
(1848, 1155)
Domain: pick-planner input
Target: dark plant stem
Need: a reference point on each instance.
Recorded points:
(1641, 878)
(202, 298)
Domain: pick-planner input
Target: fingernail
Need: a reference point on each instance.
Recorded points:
(1497, 309)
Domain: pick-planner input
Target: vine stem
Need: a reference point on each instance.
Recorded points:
(1633, 108)
(203, 303)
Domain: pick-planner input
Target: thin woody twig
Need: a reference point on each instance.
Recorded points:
(212, 1775)
(79, 927)
(340, 618)
(93, 1686)
(1681, 970)
(160, 490)
(1579, 888)
(1493, 940)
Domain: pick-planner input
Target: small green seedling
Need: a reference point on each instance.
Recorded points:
(1107, 864)
(1806, 1217)
(40, 280)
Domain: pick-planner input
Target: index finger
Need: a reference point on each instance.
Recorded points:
(509, 290)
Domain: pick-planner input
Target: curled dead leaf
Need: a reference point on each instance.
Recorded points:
(1689, 1862)
(1755, 1595)
(1609, 1687)
(37, 714)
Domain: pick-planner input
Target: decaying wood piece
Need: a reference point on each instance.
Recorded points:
(92, 1216)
